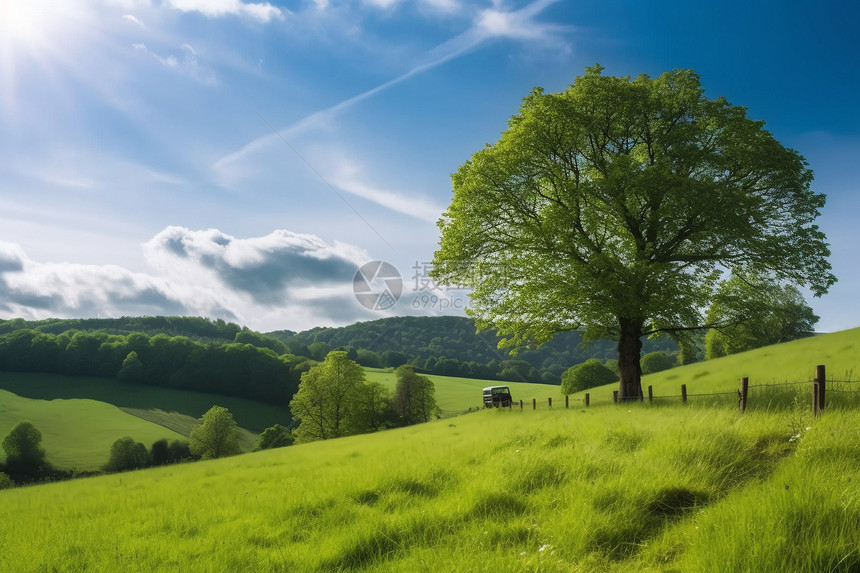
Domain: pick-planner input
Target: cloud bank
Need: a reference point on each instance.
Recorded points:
(283, 280)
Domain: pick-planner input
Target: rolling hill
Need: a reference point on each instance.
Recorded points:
(608, 488)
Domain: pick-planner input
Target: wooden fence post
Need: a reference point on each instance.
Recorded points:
(815, 389)
(742, 395)
(684, 393)
(549, 401)
(587, 399)
(820, 378)
(615, 396)
(567, 401)
(534, 403)
(650, 394)
(521, 404)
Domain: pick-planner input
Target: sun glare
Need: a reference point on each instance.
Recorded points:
(35, 36)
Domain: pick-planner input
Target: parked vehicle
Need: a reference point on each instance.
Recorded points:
(497, 397)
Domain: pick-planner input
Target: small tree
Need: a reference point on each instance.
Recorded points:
(24, 452)
(332, 400)
(217, 435)
(754, 311)
(131, 369)
(589, 374)
(414, 397)
(276, 436)
(126, 454)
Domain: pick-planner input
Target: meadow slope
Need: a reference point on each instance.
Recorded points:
(632, 488)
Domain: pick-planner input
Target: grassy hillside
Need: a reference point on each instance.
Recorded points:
(80, 417)
(77, 433)
(455, 395)
(631, 488)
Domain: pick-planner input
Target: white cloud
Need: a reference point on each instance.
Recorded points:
(133, 19)
(263, 12)
(280, 280)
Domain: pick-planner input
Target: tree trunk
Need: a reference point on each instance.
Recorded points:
(629, 351)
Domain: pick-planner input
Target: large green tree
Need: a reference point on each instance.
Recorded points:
(329, 401)
(217, 435)
(615, 205)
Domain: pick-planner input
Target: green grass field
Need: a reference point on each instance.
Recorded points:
(628, 488)
(77, 433)
(80, 417)
(457, 395)
(631, 488)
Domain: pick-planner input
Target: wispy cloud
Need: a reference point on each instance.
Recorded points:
(487, 25)
(134, 20)
(263, 12)
(186, 63)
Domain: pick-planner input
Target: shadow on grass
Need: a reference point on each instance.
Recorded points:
(135, 399)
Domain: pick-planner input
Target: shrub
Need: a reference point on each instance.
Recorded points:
(657, 362)
(589, 374)
(126, 454)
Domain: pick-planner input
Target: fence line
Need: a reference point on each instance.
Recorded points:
(820, 387)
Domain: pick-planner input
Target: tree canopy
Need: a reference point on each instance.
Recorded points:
(217, 435)
(329, 400)
(615, 206)
(414, 397)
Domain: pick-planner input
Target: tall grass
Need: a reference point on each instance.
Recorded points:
(627, 488)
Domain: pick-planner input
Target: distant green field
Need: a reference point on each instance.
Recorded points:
(77, 433)
(80, 417)
(456, 395)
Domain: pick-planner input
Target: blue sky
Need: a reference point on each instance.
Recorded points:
(242, 159)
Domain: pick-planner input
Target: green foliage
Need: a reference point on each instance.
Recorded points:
(23, 447)
(754, 311)
(450, 346)
(126, 454)
(6, 482)
(276, 436)
(234, 369)
(605, 206)
(131, 370)
(216, 436)
(589, 374)
(657, 362)
(319, 350)
(414, 397)
(329, 400)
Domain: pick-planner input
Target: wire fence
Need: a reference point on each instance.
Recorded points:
(767, 394)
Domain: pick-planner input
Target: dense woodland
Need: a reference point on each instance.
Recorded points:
(449, 346)
(199, 354)
(234, 369)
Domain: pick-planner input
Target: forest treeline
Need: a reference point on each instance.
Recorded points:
(236, 369)
(449, 346)
(211, 355)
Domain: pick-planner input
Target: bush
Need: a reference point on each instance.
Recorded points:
(589, 374)
(5, 481)
(25, 455)
(657, 362)
(126, 454)
(276, 436)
